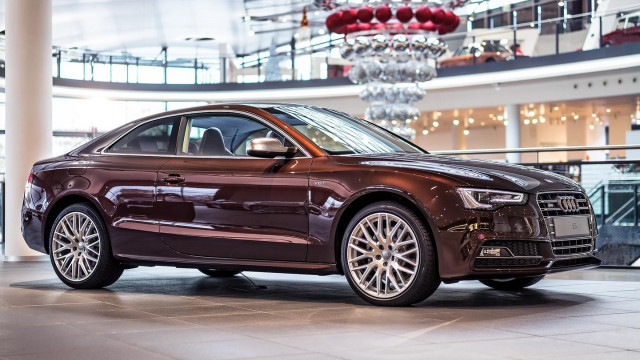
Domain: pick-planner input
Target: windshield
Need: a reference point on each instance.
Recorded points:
(338, 133)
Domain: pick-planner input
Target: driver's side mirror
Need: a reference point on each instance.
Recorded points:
(269, 148)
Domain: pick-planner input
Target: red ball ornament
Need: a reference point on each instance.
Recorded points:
(423, 14)
(364, 27)
(396, 26)
(341, 30)
(455, 24)
(414, 26)
(379, 26)
(349, 16)
(404, 14)
(438, 16)
(383, 13)
(351, 28)
(442, 29)
(334, 21)
(428, 26)
(365, 14)
(449, 18)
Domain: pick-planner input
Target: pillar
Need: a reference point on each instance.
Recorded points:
(28, 108)
(512, 133)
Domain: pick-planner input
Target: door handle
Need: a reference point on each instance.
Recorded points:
(173, 179)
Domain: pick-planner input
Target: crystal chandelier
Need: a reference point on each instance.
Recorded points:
(392, 54)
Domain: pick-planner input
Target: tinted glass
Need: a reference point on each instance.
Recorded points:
(155, 137)
(338, 133)
(224, 135)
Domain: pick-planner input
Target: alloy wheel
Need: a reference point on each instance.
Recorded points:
(76, 246)
(383, 255)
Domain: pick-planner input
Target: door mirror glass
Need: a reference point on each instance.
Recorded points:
(269, 148)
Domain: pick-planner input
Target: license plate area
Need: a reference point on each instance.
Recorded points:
(571, 226)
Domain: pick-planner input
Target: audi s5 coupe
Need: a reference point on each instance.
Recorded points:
(300, 189)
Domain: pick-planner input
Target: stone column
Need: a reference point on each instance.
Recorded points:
(28, 108)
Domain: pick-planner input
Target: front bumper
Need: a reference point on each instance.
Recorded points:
(513, 241)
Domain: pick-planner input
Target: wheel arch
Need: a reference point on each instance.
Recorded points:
(360, 200)
(60, 204)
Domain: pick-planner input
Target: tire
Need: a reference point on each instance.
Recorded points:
(412, 249)
(219, 273)
(512, 284)
(82, 272)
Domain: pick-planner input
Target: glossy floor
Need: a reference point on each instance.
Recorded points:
(169, 313)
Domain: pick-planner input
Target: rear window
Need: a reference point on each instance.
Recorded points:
(155, 137)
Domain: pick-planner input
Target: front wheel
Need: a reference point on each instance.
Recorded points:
(512, 284)
(80, 251)
(388, 256)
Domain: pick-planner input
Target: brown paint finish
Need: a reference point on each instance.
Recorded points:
(284, 215)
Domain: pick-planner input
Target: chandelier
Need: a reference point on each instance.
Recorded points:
(394, 47)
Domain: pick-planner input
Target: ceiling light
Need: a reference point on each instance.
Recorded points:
(526, 121)
(591, 126)
(482, 123)
(531, 114)
(456, 122)
(425, 132)
(556, 108)
(542, 119)
(471, 120)
(506, 122)
(435, 124)
(608, 110)
(576, 117)
(500, 117)
(563, 118)
(466, 132)
(534, 121)
(594, 115)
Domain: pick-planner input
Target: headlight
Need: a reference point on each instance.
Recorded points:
(485, 199)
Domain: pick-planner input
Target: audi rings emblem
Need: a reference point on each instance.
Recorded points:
(568, 204)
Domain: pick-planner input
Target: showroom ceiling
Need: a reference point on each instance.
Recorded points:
(143, 27)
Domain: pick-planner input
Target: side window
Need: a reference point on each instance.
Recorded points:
(155, 137)
(224, 135)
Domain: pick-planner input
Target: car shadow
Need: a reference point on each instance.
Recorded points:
(331, 290)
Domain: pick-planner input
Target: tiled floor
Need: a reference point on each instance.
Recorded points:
(169, 313)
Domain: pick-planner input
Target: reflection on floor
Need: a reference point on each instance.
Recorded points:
(169, 313)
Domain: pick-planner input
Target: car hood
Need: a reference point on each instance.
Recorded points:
(469, 172)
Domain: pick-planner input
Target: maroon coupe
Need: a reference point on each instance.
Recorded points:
(294, 188)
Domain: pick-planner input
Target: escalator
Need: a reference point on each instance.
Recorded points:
(617, 208)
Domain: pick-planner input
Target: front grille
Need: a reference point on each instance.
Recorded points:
(570, 247)
(498, 262)
(549, 204)
(517, 248)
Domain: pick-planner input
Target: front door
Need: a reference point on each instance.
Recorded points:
(215, 201)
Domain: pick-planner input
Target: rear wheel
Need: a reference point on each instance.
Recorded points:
(388, 256)
(80, 250)
(219, 273)
(512, 284)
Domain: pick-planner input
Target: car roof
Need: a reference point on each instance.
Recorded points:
(221, 106)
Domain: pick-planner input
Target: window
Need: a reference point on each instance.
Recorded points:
(224, 135)
(339, 134)
(155, 137)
